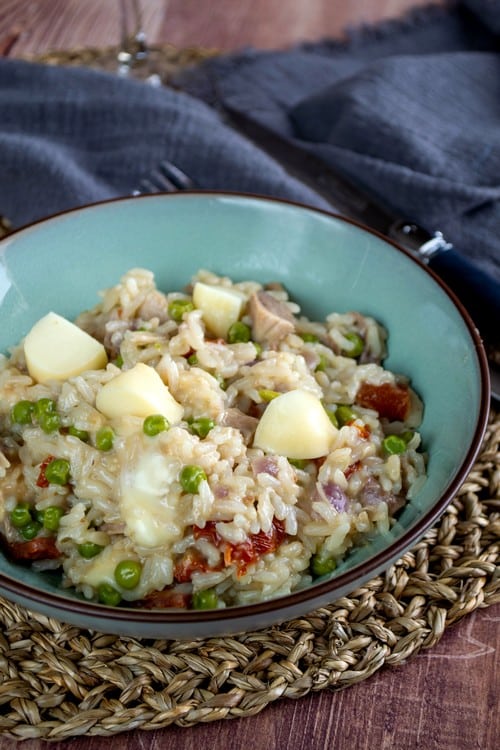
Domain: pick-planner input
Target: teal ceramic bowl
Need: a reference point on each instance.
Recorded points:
(325, 262)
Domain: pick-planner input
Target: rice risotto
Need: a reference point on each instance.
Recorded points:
(201, 448)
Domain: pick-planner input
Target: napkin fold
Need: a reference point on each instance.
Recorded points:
(408, 110)
(71, 136)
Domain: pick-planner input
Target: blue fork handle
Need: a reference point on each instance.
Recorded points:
(478, 292)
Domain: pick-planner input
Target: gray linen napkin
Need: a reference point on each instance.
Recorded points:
(409, 111)
(71, 136)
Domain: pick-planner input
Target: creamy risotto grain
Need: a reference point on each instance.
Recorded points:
(267, 447)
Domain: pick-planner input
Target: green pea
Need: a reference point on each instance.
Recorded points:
(177, 308)
(299, 463)
(239, 333)
(332, 416)
(222, 383)
(344, 414)
(107, 594)
(206, 599)
(192, 360)
(88, 550)
(321, 565)
(407, 436)
(49, 422)
(258, 348)
(82, 435)
(104, 439)
(201, 426)
(309, 338)
(46, 415)
(128, 573)
(191, 477)
(44, 406)
(119, 361)
(58, 471)
(22, 412)
(357, 345)
(30, 531)
(322, 364)
(393, 445)
(51, 517)
(154, 424)
(20, 516)
(267, 394)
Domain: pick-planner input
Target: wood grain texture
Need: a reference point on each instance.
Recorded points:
(443, 699)
(45, 25)
(269, 23)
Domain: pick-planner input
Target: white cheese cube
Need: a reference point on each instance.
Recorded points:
(138, 392)
(56, 349)
(220, 307)
(295, 425)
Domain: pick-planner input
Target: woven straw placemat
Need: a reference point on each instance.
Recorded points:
(58, 681)
(166, 58)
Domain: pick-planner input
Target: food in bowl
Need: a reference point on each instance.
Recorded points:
(202, 448)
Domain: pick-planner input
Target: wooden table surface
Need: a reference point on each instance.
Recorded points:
(443, 699)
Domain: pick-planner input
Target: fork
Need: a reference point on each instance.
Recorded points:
(166, 178)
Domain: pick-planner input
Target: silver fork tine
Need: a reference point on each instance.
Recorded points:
(167, 178)
(155, 184)
(176, 176)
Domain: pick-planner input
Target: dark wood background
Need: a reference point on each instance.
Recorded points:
(443, 699)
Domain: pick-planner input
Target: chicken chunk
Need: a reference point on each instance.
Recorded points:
(271, 318)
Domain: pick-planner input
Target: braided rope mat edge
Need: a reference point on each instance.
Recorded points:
(58, 681)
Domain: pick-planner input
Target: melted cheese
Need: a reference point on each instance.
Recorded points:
(148, 501)
(100, 569)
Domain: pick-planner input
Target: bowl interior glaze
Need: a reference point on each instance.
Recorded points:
(327, 263)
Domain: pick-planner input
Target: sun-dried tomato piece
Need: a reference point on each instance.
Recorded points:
(192, 561)
(42, 480)
(41, 548)
(388, 399)
(255, 546)
(351, 469)
(269, 542)
(169, 598)
(242, 554)
(364, 430)
(247, 552)
(209, 532)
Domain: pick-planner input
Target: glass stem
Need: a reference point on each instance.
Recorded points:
(134, 46)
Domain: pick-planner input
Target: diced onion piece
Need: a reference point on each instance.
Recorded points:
(138, 392)
(56, 349)
(220, 307)
(295, 425)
